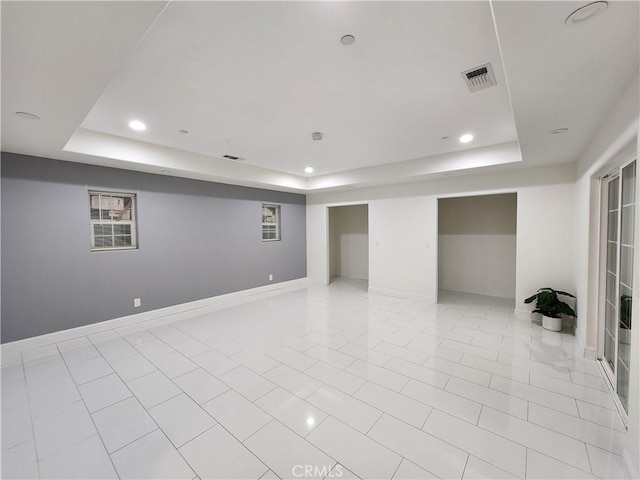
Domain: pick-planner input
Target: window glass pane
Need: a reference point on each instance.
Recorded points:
(609, 349)
(626, 265)
(612, 227)
(625, 307)
(612, 254)
(121, 241)
(611, 287)
(119, 229)
(626, 234)
(628, 184)
(623, 377)
(613, 194)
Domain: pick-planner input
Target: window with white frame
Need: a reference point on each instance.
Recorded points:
(113, 221)
(270, 223)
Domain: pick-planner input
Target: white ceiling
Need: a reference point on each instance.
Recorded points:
(255, 79)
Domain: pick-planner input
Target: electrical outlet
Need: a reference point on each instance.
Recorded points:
(136, 302)
(270, 276)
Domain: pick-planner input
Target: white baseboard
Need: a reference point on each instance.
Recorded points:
(629, 470)
(522, 314)
(406, 295)
(590, 353)
(485, 293)
(499, 294)
(154, 317)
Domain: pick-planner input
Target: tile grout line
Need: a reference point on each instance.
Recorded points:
(87, 408)
(109, 454)
(31, 417)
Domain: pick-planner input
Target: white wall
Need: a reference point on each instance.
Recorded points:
(477, 245)
(349, 241)
(545, 241)
(403, 231)
(317, 244)
(403, 235)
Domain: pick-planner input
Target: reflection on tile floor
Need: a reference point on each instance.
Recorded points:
(325, 382)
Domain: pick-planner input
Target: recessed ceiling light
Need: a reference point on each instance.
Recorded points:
(184, 132)
(347, 39)
(466, 138)
(137, 125)
(558, 130)
(308, 169)
(586, 12)
(27, 115)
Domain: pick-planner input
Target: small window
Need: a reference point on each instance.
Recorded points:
(270, 223)
(113, 221)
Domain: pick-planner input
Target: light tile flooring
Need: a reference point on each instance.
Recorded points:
(323, 382)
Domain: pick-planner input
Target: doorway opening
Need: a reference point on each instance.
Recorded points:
(349, 243)
(477, 245)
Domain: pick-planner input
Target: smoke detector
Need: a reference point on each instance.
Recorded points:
(479, 78)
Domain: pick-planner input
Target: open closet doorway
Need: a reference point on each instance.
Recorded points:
(477, 245)
(349, 243)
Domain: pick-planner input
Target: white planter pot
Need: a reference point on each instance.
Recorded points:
(553, 324)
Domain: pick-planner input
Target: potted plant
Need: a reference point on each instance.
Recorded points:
(550, 306)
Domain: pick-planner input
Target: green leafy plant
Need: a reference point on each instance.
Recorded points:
(548, 303)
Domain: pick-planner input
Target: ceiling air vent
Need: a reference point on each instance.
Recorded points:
(479, 78)
(232, 157)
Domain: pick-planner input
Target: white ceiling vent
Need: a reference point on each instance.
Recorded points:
(479, 78)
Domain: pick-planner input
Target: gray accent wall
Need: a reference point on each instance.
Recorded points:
(196, 240)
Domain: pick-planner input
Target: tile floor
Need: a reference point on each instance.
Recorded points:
(326, 382)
